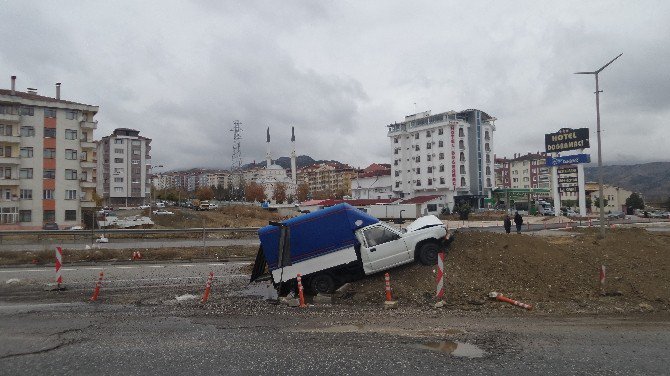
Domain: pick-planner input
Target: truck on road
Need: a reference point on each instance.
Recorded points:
(339, 244)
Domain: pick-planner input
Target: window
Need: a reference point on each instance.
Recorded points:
(488, 170)
(397, 173)
(397, 184)
(418, 170)
(418, 182)
(488, 148)
(118, 151)
(462, 157)
(26, 152)
(461, 133)
(70, 215)
(27, 131)
(70, 114)
(27, 111)
(118, 160)
(70, 174)
(395, 163)
(118, 141)
(49, 216)
(70, 194)
(395, 140)
(427, 133)
(429, 145)
(417, 148)
(440, 143)
(486, 136)
(25, 216)
(50, 132)
(462, 182)
(416, 136)
(441, 180)
(49, 174)
(136, 143)
(118, 171)
(441, 168)
(430, 181)
(5, 130)
(48, 194)
(379, 235)
(118, 189)
(441, 155)
(461, 145)
(26, 194)
(135, 161)
(430, 169)
(431, 207)
(70, 154)
(395, 151)
(26, 173)
(488, 158)
(440, 131)
(49, 153)
(136, 151)
(8, 172)
(49, 112)
(462, 170)
(118, 180)
(70, 134)
(418, 158)
(429, 157)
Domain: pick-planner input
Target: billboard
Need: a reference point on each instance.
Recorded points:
(570, 159)
(566, 139)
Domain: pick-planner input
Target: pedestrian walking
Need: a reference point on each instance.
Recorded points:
(508, 223)
(518, 221)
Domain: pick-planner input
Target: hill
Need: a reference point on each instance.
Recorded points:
(285, 162)
(650, 179)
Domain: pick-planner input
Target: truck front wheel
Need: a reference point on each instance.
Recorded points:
(323, 283)
(428, 254)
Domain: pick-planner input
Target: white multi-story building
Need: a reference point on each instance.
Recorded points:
(450, 154)
(123, 164)
(374, 182)
(47, 159)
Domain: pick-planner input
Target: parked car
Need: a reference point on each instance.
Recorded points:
(616, 214)
(144, 207)
(162, 212)
(50, 226)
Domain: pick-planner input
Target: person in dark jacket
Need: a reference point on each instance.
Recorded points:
(518, 221)
(508, 223)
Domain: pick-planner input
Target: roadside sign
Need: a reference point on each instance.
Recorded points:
(567, 139)
(570, 159)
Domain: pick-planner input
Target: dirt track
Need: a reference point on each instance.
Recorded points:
(555, 274)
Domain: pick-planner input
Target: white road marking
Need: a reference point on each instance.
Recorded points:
(155, 266)
(219, 264)
(26, 270)
(93, 268)
(127, 267)
(186, 265)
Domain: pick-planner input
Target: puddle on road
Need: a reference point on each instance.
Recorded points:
(257, 290)
(454, 348)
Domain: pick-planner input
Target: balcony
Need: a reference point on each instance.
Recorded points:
(88, 164)
(10, 160)
(87, 183)
(4, 182)
(87, 144)
(10, 118)
(10, 139)
(84, 124)
(87, 203)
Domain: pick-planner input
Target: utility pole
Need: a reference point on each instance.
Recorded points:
(600, 158)
(236, 163)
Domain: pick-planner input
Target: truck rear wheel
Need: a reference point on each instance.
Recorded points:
(322, 283)
(428, 254)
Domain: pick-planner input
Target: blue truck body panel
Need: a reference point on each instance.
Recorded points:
(315, 234)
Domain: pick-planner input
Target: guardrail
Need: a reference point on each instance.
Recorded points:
(142, 231)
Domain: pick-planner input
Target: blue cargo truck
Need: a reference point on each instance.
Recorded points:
(339, 244)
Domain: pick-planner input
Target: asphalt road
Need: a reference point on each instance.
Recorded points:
(140, 327)
(125, 243)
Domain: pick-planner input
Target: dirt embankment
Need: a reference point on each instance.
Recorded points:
(226, 216)
(555, 274)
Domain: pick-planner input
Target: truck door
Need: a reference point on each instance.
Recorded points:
(382, 248)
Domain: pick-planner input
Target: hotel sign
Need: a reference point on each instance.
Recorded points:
(568, 160)
(453, 156)
(567, 139)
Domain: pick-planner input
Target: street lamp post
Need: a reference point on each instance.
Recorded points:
(600, 159)
(152, 189)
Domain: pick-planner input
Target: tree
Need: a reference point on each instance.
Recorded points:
(204, 193)
(463, 210)
(634, 201)
(254, 192)
(596, 202)
(280, 193)
(303, 191)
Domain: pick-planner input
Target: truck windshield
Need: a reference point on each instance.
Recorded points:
(379, 235)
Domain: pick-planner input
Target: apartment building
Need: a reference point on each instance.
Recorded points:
(326, 180)
(124, 161)
(450, 154)
(47, 159)
(615, 197)
(523, 171)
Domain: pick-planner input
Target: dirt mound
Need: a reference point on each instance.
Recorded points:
(556, 274)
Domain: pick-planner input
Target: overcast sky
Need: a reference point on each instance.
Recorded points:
(340, 71)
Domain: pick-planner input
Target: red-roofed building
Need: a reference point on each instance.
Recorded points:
(374, 182)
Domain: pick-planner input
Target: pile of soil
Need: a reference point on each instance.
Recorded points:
(554, 274)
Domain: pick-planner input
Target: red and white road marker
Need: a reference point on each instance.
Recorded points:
(59, 265)
(208, 287)
(439, 279)
(501, 298)
(602, 276)
(387, 287)
(98, 284)
(301, 293)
